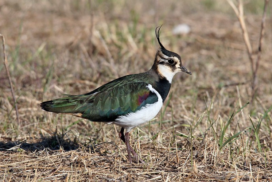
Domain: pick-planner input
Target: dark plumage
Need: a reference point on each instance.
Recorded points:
(127, 101)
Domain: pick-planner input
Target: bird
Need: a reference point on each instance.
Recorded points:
(128, 101)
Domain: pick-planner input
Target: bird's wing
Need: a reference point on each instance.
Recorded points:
(105, 104)
(117, 101)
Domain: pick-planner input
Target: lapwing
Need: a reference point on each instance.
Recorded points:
(128, 101)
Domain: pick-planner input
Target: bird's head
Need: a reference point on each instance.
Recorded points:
(167, 63)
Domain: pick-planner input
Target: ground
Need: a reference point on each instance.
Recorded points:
(210, 128)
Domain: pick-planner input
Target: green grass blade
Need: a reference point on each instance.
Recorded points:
(230, 139)
(72, 124)
(221, 139)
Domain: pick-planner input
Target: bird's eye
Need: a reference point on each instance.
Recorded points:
(170, 61)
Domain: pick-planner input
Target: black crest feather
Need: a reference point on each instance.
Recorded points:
(163, 49)
(157, 32)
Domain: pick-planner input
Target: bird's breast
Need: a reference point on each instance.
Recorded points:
(143, 115)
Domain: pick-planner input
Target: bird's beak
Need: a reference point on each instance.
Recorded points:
(183, 69)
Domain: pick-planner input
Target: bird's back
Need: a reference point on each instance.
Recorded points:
(117, 98)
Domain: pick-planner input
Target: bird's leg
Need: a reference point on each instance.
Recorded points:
(122, 136)
(128, 146)
(125, 139)
(135, 155)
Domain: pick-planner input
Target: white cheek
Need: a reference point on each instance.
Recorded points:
(166, 72)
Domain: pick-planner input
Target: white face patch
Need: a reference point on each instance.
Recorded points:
(166, 72)
(166, 69)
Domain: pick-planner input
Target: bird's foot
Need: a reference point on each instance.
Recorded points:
(136, 158)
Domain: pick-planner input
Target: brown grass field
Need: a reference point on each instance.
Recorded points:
(206, 131)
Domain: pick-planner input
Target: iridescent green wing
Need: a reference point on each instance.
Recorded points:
(117, 101)
(119, 97)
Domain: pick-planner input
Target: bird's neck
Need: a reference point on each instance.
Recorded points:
(161, 84)
(163, 87)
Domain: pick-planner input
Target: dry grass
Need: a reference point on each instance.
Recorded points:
(57, 47)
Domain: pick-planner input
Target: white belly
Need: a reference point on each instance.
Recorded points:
(139, 117)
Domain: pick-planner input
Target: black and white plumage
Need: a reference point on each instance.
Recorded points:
(128, 101)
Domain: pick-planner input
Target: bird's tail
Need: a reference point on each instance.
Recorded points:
(69, 104)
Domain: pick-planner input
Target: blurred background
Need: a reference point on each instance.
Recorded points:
(74, 46)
